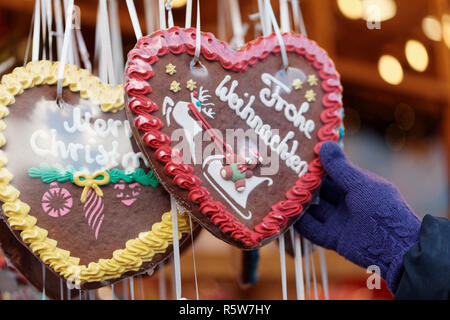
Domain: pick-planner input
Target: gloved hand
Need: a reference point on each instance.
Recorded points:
(361, 216)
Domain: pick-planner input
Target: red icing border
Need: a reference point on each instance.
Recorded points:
(176, 41)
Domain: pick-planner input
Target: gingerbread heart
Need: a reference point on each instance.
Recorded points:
(233, 136)
(79, 199)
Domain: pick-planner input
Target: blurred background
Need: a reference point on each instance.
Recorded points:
(394, 59)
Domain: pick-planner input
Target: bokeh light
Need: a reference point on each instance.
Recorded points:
(390, 70)
(386, 9)
(178, 3)
(373, 10)
(351, 9)
(446, 29)
(417, 55)
(432, 28)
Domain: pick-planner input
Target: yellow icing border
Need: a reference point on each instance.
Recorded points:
(137, 251)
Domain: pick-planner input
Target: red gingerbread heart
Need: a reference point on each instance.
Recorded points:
(79, 204)
(232, 137)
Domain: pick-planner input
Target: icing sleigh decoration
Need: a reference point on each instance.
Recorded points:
(293, 111)
(212, 171)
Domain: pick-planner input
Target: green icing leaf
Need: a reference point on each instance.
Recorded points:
(59, 173)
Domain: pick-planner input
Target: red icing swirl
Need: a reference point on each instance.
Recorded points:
(164, 154)
(148, 123)
(187, 181)
(156, 139)
(135, 87)
(142, 105)
(198, 195)
(172, 169)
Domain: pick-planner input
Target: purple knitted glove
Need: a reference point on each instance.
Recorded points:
(361, 216)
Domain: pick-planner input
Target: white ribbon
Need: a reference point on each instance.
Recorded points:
(132, 287)
(188, 13)
(169, 13)
(271, 15)
(106, 58)
(65, 49)
(134, 19)
(299, 23)
(49, 12)
(198, 37)
(162, 15)
(36, 31)
(44, 28)
(43, 297)
(285, 19)
(59, 27)
(116, 40)
(236, 22)
(296, 246)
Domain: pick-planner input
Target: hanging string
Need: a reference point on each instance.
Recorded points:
(44, 28)
(59, 28)
(116, 41)
(198, 35)
(64, 53)
(285, 19)
(49, 27)
(221, 21)
(162, 15)
(299, 23)
(323, 270)
(61, 289)
(313, 269)
(268, 8)
(134, 19)
(262, 18)
(105, 50)
(132, 287)
(70, 58)
(176, 248)
(300, 27)
(307, 267)
(125, 291)
(188, 13)
(43, 297)
(82, 48)
(283, 266)
(162, 283)
(169, 13)
(193, 258)
(149, 15)
(36, 31)
(30, 35)
(296, 246)
(236, 22)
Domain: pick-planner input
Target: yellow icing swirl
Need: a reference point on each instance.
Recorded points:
(137, 251)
